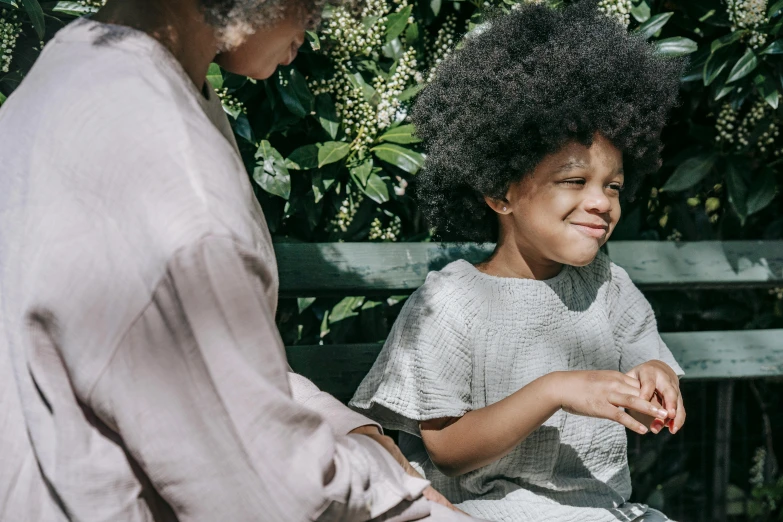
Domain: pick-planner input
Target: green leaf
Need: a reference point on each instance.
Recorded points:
(362, 172)
(9, 2)
(396, 22)
(772, 98)
(405, 159)
(2, 98)
(653, 25)
(36, 15)
(401, 134)
(72, 8)
(315, 42)
(303, 303)
(715, 65)
(357, 80)
(345, 309)
(412, 34)
(303, 158)
(737, 190)
(327, 115)
(265, 150)
(393, 50)
(410, 92)
(767, 89)
(302, 91)
(726, 40)
(279, 185)
(675, 46)
(332, 151)
(775, 9)
(690, 172)
(435, 6)
(641, 11)
(242, 128)
(215, 76)
(376, 189)
(271, 173)
(288, 94)
(723, 91)
(761, 192)
(775, 47)
(743, 67)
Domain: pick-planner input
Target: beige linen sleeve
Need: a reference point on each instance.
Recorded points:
(197, 392)
(340, 417)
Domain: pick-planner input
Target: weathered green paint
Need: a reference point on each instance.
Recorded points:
(744, 354)
(313, 269)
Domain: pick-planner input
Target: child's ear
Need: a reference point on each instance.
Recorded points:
(500, 206)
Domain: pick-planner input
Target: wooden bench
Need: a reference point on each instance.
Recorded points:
(366, 269)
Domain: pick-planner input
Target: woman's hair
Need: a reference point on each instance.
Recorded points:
(234, 20)
(520, 89)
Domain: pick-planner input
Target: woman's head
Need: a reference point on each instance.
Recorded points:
(259, 35)
(539, 94)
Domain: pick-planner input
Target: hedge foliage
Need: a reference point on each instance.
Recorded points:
(332, 157)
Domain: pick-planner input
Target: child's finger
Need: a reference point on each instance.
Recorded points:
(632, 402)
(616, 414)
(647, 389)
(656, 426)
(670, 397)
(679, 419)
(632, 380)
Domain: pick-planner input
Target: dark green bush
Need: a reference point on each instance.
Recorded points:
(333, 158)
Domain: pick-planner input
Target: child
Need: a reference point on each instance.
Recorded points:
(519, 375)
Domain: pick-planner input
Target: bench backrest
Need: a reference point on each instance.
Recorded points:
(342, 269)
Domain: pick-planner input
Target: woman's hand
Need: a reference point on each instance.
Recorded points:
(388, 444)
(659, 383)
(604, 394)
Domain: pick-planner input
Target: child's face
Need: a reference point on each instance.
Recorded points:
(569, 205)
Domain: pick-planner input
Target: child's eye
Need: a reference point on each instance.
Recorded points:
(616, 187)
(576, 181)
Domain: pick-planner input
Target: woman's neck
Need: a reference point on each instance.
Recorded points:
(511, 259)
(177, 24)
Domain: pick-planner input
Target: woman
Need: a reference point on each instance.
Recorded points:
(139, 287)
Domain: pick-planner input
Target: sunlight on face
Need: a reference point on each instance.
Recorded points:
(567, 208)
(261, 52)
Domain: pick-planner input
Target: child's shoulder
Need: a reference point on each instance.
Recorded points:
(455, 274)
(449, 283)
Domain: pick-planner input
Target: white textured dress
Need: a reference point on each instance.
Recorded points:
(466, 340)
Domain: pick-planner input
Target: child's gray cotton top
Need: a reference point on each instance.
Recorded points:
(465, 340)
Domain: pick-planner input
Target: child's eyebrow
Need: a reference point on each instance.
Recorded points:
(571, 165)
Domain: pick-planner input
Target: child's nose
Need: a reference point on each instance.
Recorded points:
(597, 201)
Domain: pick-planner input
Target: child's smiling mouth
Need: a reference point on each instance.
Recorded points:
(594, 230)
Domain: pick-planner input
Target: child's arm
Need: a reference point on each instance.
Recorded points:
(459, 445)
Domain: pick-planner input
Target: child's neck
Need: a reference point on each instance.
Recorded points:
(512, 260)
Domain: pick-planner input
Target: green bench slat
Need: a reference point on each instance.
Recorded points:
(338, 369)
(315, 269)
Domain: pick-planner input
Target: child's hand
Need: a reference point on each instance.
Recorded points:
(658, 379)
(655, 424)
(604, 394)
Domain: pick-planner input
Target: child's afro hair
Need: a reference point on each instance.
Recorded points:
(530, 82)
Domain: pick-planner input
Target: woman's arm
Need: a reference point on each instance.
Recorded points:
(459, 445)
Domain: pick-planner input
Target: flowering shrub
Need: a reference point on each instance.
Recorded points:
(332, 156)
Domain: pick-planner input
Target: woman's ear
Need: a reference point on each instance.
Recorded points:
(500, 206)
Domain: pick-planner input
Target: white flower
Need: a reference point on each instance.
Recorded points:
(618, 9)
(749, 15)
(10, 29)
